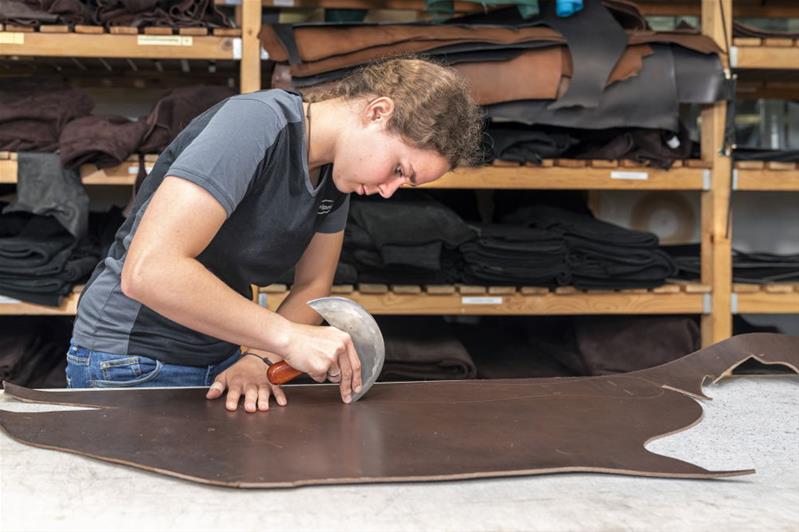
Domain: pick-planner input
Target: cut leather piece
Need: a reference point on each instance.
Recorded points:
(700, 77)
(533, 75)
(596, 42)
(739, 29)
(647, 100)
(401, 431)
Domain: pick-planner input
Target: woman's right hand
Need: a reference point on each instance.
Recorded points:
(324, 352)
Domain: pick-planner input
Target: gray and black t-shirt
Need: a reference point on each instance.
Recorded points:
(249, 152)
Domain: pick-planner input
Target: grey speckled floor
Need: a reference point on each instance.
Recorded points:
(751, 423)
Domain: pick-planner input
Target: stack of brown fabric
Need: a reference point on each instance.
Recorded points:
(34, 112)
(135, 13)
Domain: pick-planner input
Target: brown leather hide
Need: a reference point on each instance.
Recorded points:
(401, 432)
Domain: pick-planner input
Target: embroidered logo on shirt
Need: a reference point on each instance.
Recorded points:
(325, 206)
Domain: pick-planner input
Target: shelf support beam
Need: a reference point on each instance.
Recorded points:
(716, 254)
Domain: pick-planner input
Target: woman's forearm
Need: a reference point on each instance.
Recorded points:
(295, 308)
(184, 291)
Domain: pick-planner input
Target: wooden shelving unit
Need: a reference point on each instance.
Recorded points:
(778, 298)
(712, 297)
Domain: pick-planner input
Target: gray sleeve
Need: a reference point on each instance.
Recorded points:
(224, 157)
(337, 220)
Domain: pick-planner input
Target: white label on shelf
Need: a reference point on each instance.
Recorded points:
(618, 174)
(481, 300)
(134, 170)
(165, 40)
(237, 48)
(283, 3)
(12, 37)
(5, 300)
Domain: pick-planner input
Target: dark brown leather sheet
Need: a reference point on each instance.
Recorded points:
(536, 74)
(401, 432)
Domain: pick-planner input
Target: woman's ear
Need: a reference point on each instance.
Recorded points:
(379, 110)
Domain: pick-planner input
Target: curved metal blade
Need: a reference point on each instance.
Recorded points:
(352, 318)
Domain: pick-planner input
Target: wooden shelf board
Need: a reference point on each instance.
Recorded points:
(117, 45)
(766, 180)
(778, 298)
(68, 307)
(485, 177)
(766, 57)
(123, 174)
(518, 301)
(567, 178)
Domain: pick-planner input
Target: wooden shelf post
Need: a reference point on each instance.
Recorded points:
(716, 235)
(250, 46)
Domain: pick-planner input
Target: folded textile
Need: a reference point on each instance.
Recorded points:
(531, 144)
(409, 222)
(40, 262)
(404, 241)
(175, 110)
(103, 141)
(600, 254)
(504, 348)
(421, 348)
(33, 113)
(176, 13)
(616, 344)
(45, 188)
(516, 255)
(751, 268)
(33, 348)
(31, 244)
(764, 154)
(34, 13)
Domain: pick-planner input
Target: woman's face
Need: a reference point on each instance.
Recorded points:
(371, 160)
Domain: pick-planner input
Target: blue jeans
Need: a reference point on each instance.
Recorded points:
(95, 369)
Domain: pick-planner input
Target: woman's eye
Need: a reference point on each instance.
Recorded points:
(398, 170)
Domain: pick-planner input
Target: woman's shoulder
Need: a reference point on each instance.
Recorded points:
(284, 104)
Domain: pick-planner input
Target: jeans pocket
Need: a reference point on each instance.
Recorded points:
(78, 355)
(124, 371)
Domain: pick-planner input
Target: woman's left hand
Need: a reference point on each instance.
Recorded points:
(246, 377)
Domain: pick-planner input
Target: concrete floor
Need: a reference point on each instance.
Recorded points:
(751, 423)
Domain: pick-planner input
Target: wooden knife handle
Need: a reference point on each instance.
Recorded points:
(281, 373)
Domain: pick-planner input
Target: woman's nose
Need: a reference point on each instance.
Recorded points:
(387, 190)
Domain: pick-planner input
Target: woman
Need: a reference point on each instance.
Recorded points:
(250, 189)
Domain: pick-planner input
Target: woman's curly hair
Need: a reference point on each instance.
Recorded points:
(432, 105)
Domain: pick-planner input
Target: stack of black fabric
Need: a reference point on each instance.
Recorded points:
(515, 255)
(33, 350)
(45, 244)
(601, 255)
(423, 348)
(404, 241)
(751, 268)
(521, 143)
